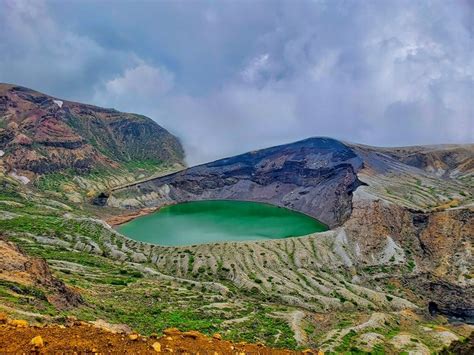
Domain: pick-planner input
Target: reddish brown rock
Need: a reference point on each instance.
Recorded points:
(42, 136)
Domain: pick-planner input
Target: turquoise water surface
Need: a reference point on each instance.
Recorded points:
(219, 221)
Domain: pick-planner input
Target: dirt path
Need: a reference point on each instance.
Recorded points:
(294, 320)
(295, 323)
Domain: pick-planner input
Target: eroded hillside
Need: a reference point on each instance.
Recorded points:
(65, 146)
(395, 265)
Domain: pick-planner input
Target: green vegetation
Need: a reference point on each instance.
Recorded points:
(22, 289)
(264, 327)
(99, 178)
(347, 341)
(26, 298)
(144, 165)
(54, 181)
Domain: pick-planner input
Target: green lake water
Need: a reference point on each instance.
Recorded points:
(219, 221)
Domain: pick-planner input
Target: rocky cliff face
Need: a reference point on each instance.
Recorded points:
(40, 134)
(430, 253)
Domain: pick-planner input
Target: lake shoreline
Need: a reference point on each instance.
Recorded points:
(120, 219)
(210, 221)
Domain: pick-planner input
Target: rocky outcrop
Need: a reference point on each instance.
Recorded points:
(19, 269)
(444, 297)
(41, 135)
(432, 251)
(460, 347)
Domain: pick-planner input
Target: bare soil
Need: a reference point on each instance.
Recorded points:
(81, 337)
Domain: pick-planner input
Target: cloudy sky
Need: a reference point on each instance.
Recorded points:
(231, 76)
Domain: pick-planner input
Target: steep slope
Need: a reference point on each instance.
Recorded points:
(40, 134)
(408, 180)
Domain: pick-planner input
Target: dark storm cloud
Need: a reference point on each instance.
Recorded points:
(228, 77)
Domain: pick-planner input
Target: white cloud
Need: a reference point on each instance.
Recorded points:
(256, 68)
(39, 53)
(324, 65)
(142, 82)
(230, 121)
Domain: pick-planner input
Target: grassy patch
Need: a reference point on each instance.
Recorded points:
(264, 327)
